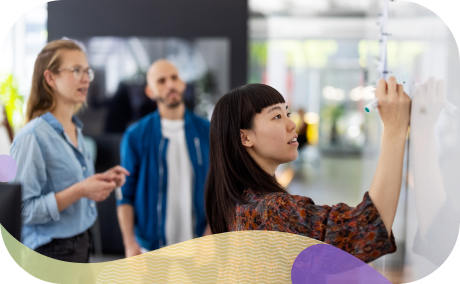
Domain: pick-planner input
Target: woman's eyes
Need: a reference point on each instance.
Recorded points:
(279, 115)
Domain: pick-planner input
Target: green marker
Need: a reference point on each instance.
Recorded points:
(372, 105)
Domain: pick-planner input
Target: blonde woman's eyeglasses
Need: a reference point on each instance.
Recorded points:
(78, 72)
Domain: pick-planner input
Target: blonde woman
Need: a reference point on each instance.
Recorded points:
(59, 186)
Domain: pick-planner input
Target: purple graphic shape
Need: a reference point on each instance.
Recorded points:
(8, 168)
(326, 264)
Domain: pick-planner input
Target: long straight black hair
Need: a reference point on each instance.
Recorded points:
(231, 168)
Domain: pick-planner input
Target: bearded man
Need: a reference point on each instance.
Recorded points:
(167, 154)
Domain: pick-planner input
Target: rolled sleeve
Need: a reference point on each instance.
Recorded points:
(51, 206)
(38, 207)
(125, 199)
(130, 161)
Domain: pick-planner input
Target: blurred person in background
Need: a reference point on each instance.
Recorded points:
(59, 186)
(167, 154)
(301, 130)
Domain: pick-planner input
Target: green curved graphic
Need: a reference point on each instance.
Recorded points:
(235, 257)
(49, 269)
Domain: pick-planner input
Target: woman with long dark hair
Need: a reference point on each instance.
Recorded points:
(251, 134)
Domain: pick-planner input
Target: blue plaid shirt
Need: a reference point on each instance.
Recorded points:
(48, 163)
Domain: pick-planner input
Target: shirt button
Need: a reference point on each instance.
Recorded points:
(92, 204)
(84, 168)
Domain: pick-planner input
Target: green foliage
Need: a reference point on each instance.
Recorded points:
(333, 112)
(205, 89)
(257, 61)
(207, 83)
(258, 52)
(12, 100)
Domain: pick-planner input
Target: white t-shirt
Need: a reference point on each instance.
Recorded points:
(180, 181)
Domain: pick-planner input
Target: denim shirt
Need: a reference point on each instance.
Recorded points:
(48, 163)
(143, 153)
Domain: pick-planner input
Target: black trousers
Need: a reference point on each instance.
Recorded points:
(74, 249)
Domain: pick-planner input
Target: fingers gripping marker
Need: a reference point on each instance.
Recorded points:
(448, 107)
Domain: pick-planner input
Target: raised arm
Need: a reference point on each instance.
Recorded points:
(394, 110)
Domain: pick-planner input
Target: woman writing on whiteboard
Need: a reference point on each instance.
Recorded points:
(54, 167)
(251, 134)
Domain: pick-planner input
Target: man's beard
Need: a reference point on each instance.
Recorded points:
(173, 105)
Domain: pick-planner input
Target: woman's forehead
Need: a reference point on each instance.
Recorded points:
(269, 109)
(74, 57)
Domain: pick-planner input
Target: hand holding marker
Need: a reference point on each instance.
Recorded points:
(450, 108)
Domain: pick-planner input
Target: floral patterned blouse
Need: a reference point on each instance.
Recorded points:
(359, 231)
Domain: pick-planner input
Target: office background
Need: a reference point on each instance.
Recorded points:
(321, 55)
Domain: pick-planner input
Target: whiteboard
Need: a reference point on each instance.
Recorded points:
(416, 46)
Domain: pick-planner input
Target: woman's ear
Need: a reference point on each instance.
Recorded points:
(246, 138)
(49, 78)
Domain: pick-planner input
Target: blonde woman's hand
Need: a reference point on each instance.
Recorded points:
(394, 106)
(119, 173)
(98, 187)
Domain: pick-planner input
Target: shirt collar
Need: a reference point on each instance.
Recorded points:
(48, 117)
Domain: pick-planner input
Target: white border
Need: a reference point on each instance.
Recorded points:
(12, 10)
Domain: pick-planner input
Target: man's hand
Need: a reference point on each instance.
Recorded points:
(132, 249)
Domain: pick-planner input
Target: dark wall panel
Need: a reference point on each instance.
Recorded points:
(156, 18)
(81, 19)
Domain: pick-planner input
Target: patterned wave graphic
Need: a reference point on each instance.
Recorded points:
(236, 257)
